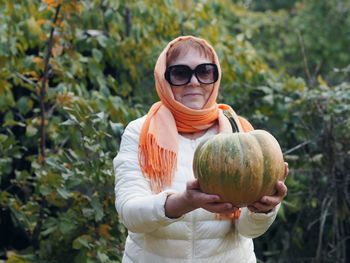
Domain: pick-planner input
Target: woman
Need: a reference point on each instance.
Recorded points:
(167, 216)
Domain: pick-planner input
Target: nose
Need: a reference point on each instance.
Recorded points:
(194, 81)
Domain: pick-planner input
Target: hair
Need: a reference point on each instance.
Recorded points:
(184, 46)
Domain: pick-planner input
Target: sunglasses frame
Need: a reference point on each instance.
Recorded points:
(193, 72)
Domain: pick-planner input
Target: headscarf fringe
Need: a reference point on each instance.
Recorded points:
(233, 216)
(157, 164)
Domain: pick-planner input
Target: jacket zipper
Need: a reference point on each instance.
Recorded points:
(194, 145)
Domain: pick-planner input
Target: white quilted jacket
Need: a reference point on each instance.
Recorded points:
(196, 236)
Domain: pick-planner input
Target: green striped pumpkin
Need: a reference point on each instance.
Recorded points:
(239, 167)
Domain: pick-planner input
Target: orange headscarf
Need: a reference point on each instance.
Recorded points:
(158, 145)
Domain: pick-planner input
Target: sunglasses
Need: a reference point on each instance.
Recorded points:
(178, 75)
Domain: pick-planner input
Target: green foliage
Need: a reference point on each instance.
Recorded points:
(308, 39)
(70, 199)
(62, 202)
(314, 213)
(62, 115)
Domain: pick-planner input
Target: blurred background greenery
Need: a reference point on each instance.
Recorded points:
(74, 73)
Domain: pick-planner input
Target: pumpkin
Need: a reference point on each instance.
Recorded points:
(239, 167)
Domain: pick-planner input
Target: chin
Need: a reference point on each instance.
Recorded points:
(194, 106)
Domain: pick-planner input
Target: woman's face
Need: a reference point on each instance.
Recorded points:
(193, 95)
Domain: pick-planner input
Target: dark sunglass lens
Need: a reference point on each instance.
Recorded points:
(206, 73)
(179, 75)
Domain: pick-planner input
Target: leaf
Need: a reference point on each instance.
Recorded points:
(10, 123)
(88, 212)
(68, 122)
(12, 257)
(282, 213)
(49, 230)
(94, 32)
(45, 190)
(63, 193)
(3, 137)
(102, 40)
(52, 3)
(82, 241)
(102, 257)
(103, 230)
(97, 54)
(33, 26)
(65, 99)
(117, 128)
(321, 81)
(57, 50)
(24, 105)
(98, 208)
(66, 225)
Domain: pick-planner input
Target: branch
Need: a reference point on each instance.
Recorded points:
(297, 147)
(324, 213)
(42, 94)
(127, 21)
(25, 79)
(306, 67)
(43, 89)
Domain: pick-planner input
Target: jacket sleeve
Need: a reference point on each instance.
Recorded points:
(253, 225)
(139, 209)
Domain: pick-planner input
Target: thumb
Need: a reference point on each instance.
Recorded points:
(193, 184)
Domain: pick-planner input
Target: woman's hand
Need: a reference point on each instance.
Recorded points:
(267, 203)
(196, 198)
(192, 198)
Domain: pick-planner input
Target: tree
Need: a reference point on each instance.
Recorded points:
(74, 73)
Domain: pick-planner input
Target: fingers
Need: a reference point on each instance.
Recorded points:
(196, 198)
(258, 209)
(267, 203)
(222, 208)
(203, 199)
(273, 200)
(281, 190)
(194, 195)
(212, 203)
